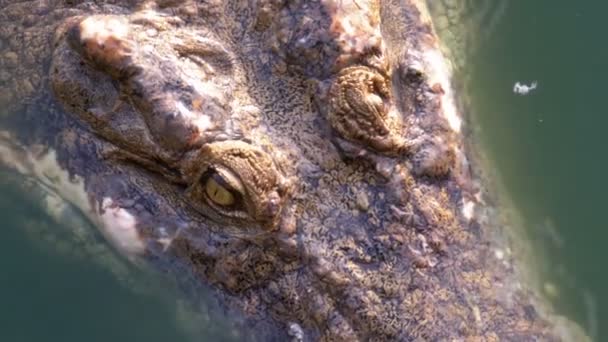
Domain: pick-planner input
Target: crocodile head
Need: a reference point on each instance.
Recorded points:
(304, 160)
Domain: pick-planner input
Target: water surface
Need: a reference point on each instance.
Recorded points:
(51, 296)
(548, 145)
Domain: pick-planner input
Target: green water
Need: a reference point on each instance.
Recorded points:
(547, 147)
(46, 296)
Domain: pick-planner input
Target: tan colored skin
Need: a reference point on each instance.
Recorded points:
(350, 235)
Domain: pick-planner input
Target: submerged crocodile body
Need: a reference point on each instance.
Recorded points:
(303, 160)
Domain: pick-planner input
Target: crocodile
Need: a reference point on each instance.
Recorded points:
(305, 162)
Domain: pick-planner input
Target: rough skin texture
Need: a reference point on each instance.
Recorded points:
(292, 156)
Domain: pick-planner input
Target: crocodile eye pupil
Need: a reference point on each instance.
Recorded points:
(217, 193)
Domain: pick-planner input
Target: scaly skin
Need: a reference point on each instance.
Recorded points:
(302, 159)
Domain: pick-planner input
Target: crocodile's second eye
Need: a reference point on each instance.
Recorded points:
(358, 110)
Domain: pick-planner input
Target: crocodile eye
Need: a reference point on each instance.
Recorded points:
(217, 193)
(236, 183)
(222, 189)
(358, 109)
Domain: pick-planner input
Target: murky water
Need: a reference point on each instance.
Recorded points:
(547, 146)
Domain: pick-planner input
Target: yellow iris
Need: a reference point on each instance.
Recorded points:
(217, 193)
